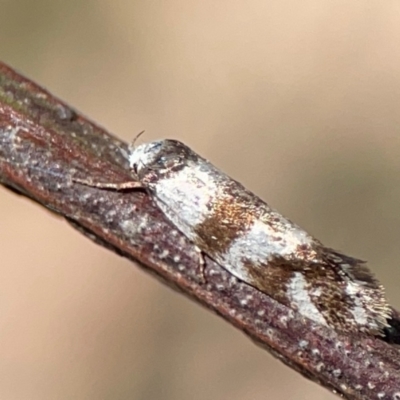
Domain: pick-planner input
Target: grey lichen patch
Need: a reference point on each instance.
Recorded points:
(132, 228)
(315, 352)
(337, 373)
(65, 113)
(270, 332)
(320, 367)
(303, 344)
(164, 254)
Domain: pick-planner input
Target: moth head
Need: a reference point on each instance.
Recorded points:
(158, 158)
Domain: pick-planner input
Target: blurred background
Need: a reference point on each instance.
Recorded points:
(297, 100)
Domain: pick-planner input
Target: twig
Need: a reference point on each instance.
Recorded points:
(44, 144)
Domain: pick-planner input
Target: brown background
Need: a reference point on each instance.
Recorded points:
(298, 100)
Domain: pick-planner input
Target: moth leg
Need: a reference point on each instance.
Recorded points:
(109, 185)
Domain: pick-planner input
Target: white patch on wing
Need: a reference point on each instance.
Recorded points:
(258, 245)
(297, 292)
(186, 197)
(358, 311)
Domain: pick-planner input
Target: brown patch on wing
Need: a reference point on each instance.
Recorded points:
(272, 277)
(326, 288)
(353, 267)
(372, 294)
(228, 219)
(327, 293)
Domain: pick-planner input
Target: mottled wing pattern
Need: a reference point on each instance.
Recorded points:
(256, 243)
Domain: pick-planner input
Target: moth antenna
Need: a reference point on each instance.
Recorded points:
(132, 145)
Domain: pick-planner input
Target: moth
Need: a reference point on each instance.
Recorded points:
(254, 242)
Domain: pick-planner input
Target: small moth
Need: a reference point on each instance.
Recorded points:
(255, 243)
